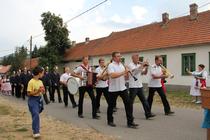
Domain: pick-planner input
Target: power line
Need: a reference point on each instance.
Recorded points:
(199, 7)
(86, 11)
(90, 9)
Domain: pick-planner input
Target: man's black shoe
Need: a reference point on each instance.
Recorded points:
(80, 116)
(150, 116)
(111, 124)
(96, 117)
(169, 113)
(133, 125)
(75, 105)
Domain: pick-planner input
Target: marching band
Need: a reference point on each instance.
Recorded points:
(108, 80)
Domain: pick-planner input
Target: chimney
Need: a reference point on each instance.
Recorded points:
(165, 18)
(73, 43)
(87, 40)
(193, 11)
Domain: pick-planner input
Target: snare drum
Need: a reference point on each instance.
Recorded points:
(72, 85)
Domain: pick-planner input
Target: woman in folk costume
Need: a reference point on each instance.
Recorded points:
(199, 81)
(6, 86)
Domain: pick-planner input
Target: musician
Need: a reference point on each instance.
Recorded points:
(55, 78)
(24, 82)
(12, 81)
(117, 71)
(154, 85)
(47, 85)
(63, 80)
(136, 87)
(18, 84)
(81, 72)
(102, 84)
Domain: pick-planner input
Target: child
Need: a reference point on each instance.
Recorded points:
(200, 77)
(206, 122)
(35, 104)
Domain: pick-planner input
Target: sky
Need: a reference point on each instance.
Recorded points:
(21, 19)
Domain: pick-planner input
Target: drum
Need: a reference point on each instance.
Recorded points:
(72, 85)
(91, 78)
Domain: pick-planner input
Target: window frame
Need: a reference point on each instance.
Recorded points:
(183, 69)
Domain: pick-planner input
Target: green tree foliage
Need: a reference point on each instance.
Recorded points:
(35, 52)
(17, 59)
(56, 36)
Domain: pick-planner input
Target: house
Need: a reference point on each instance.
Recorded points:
(184, 42)
(4, 69)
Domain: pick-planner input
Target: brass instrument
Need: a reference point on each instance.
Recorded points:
(166, 72)
(104, 75)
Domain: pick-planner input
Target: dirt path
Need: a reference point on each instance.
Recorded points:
(15, 124)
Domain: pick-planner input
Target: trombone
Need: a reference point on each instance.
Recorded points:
(167, 72)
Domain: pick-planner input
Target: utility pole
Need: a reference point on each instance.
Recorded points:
(30, 51)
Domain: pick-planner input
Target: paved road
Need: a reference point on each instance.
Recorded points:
(184, 125)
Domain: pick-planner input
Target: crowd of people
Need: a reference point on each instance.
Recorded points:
(111, 82)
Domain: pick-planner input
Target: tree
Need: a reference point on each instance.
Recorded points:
(56, 36)
(35, 52)
(16, 60)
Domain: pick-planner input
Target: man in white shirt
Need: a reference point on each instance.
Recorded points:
(117, 73)
(81, 72)
(63, 80)
(101, 84)
(136, 87)
(154, 85)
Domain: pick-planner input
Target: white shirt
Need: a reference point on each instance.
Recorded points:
(116, 84)
(100, 83)
(83, 73)
(157, 71)
(136, 71)
(64, 77)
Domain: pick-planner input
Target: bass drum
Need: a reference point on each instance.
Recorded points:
(73, 85)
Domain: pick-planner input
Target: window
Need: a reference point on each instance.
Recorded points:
(164, 60)
(141, 59)
(188, 62)
(123, 60)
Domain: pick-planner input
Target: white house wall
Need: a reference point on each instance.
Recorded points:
(174, 61)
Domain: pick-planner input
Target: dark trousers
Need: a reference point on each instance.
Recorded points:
(13, 89)
(18, 91)
(90, 92)
(24, 92)
(49, 89)
(66, 93)
(139, 92)
(53, 93)
(112, 100)
(162, 96)
(99, 92)
(45, 95)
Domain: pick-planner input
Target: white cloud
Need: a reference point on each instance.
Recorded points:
(117, 19)
(139, 12)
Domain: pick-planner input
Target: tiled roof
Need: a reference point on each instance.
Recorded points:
(4, 69)
(178, 32)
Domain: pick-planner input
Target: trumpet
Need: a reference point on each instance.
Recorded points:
(167, 72)
(104, 75)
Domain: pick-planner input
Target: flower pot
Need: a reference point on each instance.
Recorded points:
(205, 97)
